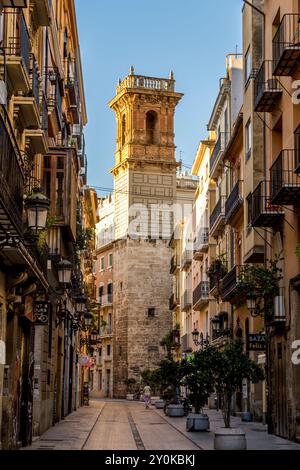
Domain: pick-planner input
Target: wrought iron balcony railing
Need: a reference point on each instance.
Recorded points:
(229, 284)
(173, 302)
(35, 83)
(11, 178)
(264, 212)
(217, 217)
(215, 159)
(106, 300)
(286, 45)
(174, 264)
(201, 295)
(186, 300)
(267, 88)
(234, 202)
(18, 45)
(285, 182)
(201, 243)
(187, 258)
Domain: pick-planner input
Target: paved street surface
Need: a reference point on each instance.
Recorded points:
(123, 425)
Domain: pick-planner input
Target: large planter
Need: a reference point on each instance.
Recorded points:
(197, 422)
(159, 404)
(175, 411)
(230, 439)
(129, 396)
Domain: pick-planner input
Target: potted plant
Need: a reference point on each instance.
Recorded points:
(170, 374)
(230, 367)
(130, 383)
(199, 380)
(216, 271)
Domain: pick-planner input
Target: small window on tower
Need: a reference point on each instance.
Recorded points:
(123, 130)
(151, 312)
(151, 120)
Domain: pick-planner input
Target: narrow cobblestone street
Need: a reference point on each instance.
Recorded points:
(123, 425)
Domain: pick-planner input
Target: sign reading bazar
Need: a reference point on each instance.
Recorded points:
(256, 342)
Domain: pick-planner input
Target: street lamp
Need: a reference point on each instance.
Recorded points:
(251, 305)
(81, 302)
(195, 336)
(64, 269)
(88, 318)
(203, 342)
(37, 211)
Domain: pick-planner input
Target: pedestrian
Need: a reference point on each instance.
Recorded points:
(147, 396)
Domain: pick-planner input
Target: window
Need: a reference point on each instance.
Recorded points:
(297, 147)
(151, 312)
(100, 352)
(123, 130)
(102, 264)
(101, 291)
(110, 260)
(249, 209)
(109, 291)
(247, 66)
(108, 350)
(248, 139)
(151, 119)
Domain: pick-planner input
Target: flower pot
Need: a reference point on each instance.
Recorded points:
(159, 404)
(175, 411)
(129, 396)
(197, 422)
(230, 439)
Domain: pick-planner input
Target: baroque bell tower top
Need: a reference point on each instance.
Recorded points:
(145, 108)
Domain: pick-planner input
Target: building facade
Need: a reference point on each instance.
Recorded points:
(42, 115)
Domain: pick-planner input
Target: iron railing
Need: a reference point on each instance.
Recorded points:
(229, 282)
(267, 88)
(264, 212)
(173, 302)
(11, 177)
(174, 264)
(285, 183)
(201, 239)
(106, 299)
(220, 146)
(286, 45)
(201, 293)
(187, 258)
(19, 43)
(186, 300)
(234, 201)
(35, 83)
(219, 211)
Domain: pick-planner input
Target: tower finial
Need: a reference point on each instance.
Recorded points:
(131, 70)
(119, 81)
(171, 77)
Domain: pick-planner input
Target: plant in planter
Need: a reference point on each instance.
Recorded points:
(259, 285)
(230, 367)
(199, 379)
(130, 383)
(217, 270)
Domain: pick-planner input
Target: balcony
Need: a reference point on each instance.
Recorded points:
(14, 3)
(285, 182)
(186, 259)
(73, 90)
(264, 212)
(229, 286)
(54, 103)
(11, 181)
(106, 300)
(201, 244)
(41, 12)
(217, 218)
(173, 302)
(148, 83)
(286, 46)
(106, 332)
(216, 163)
(174, 264)
(17, 51)
(186, 301)
(201, 295)
(185, 347)
(28, 107)
(267, 89)
(234, 202)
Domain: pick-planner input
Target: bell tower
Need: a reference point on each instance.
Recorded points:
(145, 188)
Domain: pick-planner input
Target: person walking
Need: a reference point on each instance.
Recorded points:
(147, 396)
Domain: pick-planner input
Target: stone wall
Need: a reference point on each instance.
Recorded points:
(142, 281)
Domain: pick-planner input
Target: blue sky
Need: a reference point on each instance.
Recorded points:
(192, 37)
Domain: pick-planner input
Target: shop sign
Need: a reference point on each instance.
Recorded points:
(256, 342)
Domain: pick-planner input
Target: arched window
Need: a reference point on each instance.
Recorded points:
(151, 121)
(123, 129)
